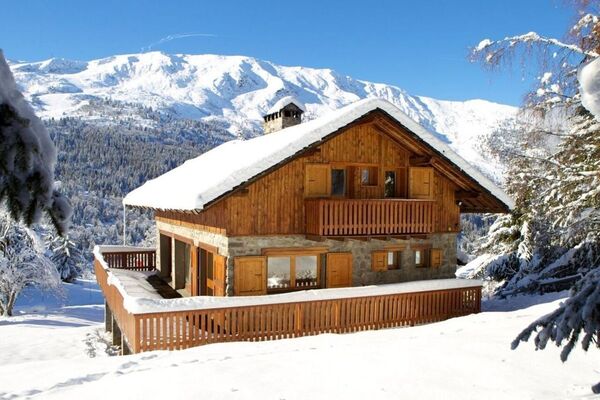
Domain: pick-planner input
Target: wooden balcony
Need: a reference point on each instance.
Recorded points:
(369, 217)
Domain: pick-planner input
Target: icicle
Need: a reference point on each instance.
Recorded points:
(124, 225)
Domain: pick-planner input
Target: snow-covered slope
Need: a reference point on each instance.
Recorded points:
(234, 92)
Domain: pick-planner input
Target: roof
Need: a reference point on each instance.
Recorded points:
(199, 181)
(281, 103)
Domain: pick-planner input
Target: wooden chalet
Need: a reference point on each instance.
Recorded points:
(362, 196)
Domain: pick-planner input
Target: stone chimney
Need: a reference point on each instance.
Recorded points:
(285, 113)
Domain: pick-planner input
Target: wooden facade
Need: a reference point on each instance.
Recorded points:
(370, 153)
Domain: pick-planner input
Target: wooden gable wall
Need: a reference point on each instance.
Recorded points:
(274, 204)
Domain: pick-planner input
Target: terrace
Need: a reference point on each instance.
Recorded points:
(144, 314)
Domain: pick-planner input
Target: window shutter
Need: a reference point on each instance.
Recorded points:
(250, 276)
(219, 275)
(317, 180)
(420, 182)
(379, 261)
(436, 258)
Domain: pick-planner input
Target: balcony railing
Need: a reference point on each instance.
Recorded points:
(366, 217)
(133, 258)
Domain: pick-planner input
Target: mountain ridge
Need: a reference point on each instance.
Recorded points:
(233, 92)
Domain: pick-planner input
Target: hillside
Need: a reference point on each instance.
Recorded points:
(231, 93)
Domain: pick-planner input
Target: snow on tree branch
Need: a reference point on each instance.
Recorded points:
(27, 159)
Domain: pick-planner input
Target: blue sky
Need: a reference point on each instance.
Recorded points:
(420, 46)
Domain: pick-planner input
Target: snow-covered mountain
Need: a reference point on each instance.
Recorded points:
(233, 92)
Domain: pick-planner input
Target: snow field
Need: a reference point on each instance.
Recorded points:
(47, 356)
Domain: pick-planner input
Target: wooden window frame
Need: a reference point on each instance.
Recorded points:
(292, 253)
(373, 171)
(424, 256)
(380, 258)
(343, 168)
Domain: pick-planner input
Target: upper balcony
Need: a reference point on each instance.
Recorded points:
(369, 217)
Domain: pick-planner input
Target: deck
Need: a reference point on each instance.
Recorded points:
(148, 322)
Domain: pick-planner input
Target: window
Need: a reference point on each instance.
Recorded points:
(292, 272)
(394, 259)
(368, 176)
(384, 260)
(338, 182)
(389, 188)
(421, 258)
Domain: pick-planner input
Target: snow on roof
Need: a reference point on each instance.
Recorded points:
(284, 102)
(201, 180)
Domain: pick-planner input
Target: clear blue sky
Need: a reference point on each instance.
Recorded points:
(420, 46)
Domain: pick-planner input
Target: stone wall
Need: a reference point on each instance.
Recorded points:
(361, 253)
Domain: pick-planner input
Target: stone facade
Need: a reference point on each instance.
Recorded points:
(231, 247)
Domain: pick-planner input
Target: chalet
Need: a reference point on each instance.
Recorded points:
(361, 196)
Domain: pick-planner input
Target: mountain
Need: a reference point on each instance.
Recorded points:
(230, 94)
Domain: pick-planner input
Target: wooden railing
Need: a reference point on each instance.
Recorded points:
(360, 217)
(171, 330)
(114, 300)
(137, 260)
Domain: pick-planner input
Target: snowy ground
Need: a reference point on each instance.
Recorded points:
(60, 352)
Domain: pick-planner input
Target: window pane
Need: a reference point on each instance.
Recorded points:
(364, 176)
(390, 184)
(338, 182)
(418, 257)
(390, 258)
(278, 272)
(306, 271)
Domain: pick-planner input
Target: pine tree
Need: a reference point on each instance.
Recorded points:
(27, 158)
(66, 256)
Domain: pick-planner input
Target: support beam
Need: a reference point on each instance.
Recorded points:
(420, 161)
(466, 194)
(108, 318)
(117, 336)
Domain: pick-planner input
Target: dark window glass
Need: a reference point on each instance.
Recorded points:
(338, 182)
(390, 184)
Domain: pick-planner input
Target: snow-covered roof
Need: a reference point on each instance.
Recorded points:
(284, 102)
(203, 179)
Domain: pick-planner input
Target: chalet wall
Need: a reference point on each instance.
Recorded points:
(362, 273)
(274, 204)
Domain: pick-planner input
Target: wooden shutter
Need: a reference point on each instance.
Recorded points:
(435, 258)
(379, 260)
(420, 182)
(250, 276)
(218, 275)
(339, 270)
(317, 180)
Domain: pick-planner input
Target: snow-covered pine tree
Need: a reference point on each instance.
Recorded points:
(27, 159)
(23, 262)
(66, 256)
(553, 237)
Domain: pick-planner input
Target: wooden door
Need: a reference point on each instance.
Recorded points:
(250, 276)
(420, 182)
(317, 180)
(339, 270)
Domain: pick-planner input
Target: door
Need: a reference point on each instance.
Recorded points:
(317, 180)
(250, 276)
(339, 270)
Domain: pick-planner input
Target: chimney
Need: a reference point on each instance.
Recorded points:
(285, 113)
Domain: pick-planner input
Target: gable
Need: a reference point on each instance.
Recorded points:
(234, 165)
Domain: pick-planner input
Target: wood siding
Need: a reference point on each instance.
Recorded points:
(275, 202)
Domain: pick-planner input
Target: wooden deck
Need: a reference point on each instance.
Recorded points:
(367, 217)
(171, 330)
